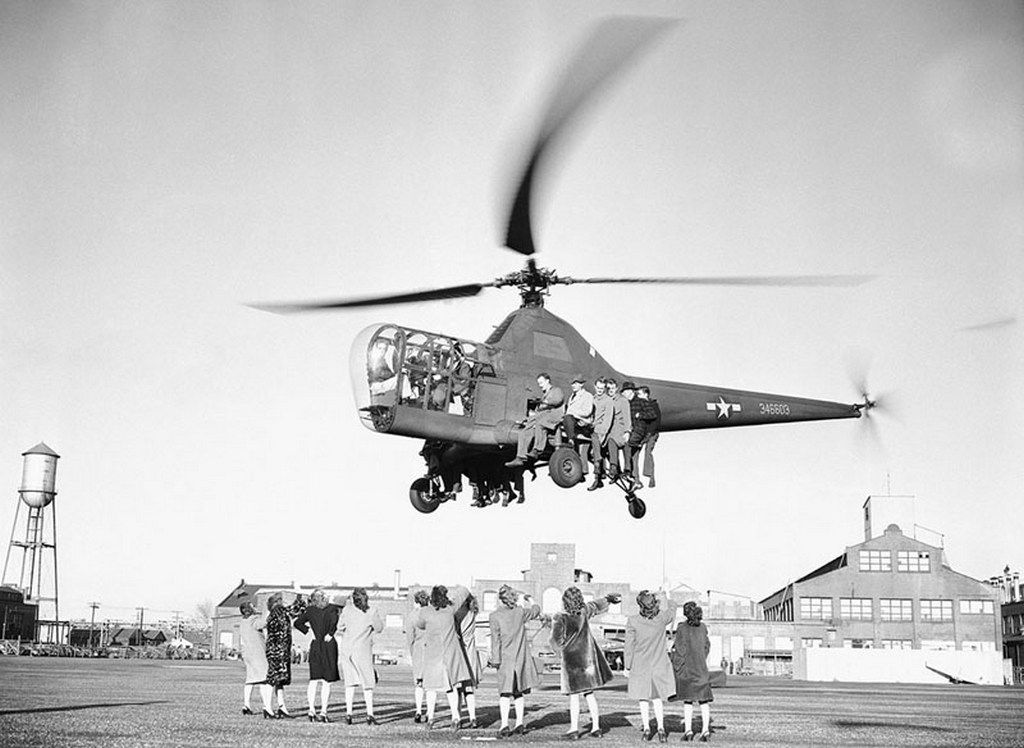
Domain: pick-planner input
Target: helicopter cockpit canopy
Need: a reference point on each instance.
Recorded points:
(396, 367)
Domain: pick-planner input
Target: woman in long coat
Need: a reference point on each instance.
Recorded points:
(279, 648)
(322, 617)
(467, 638)
(584, 666)
(357, 625)
(689, 660)
(254, 655)
(416, 639)
(510, 653)
(445, 666)
(646, 662)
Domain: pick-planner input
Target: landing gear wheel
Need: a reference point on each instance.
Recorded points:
(637, 508)
(421, 498)
(565, 467)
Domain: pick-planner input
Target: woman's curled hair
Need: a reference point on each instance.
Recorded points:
(572, 601)
(360, 599)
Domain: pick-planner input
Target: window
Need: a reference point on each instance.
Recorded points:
(393, 621)
(784, 642)
(815, 608)
(875, 561)
(552, 558)
(811, 643)
(858, 644)
(977, 606)
(937, 645)
(913, 561)
(855, 608)
(978, 646)
(936, 610)
(896, 610)
(897, 644)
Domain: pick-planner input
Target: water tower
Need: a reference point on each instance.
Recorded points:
(38, 576)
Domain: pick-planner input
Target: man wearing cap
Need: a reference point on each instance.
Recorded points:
(579, 409)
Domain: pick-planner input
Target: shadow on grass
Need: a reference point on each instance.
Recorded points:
(866, 723)
(79, 707)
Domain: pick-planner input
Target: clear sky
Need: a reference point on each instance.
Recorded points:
(163, 163)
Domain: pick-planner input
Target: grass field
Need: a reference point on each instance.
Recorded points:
(78, 702)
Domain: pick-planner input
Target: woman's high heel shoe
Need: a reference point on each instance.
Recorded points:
(282, 714)
(371, 720)
(246, 710)
(311, 716)
(267, 714)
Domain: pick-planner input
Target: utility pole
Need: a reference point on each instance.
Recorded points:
(142, 612)
(177, 623)
(92, 627)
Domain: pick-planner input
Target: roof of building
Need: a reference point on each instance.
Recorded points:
(40, 449)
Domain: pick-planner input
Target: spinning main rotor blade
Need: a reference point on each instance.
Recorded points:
(436, 294)
(752, 280)
(612, 45)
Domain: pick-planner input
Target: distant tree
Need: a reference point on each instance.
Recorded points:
(204, 612)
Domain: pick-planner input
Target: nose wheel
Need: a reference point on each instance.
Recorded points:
(637, 507)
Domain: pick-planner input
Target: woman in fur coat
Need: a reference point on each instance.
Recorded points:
(584, 666)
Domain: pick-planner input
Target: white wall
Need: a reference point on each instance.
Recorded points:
(896, 666)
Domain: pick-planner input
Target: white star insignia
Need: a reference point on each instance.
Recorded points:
(723, 408)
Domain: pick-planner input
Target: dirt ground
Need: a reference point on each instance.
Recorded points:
(78, 702)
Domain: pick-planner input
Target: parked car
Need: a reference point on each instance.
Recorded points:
(549, 662)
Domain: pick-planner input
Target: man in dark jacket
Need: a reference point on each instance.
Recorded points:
(650, 416)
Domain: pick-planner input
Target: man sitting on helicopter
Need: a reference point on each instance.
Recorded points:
(380, 371)
(533, 436)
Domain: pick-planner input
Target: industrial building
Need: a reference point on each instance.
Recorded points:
(891, 592)
(1011, 594)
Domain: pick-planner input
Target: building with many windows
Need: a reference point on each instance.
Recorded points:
(889, 592)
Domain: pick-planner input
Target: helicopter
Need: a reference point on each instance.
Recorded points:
(469, 400)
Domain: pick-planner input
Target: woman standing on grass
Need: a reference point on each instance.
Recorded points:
(279, 649)
(510, 653)
(584, 666)
(689, 660)
(322, 617)
(254, 655)
(445, 667)
(646, 663)
(357, 625)
(414, 637)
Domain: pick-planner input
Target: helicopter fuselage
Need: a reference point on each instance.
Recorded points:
(426, 385)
